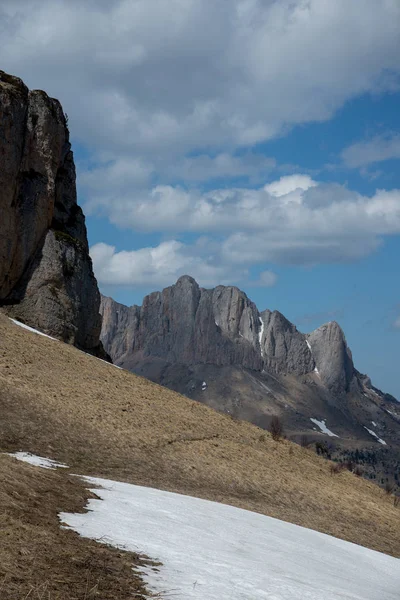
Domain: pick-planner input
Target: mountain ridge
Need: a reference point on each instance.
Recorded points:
(215, 347)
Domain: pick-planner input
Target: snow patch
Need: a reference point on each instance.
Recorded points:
(38, 461)
(33, 330)
(375, 436)
(309, 346)
(374, 424)
(323, 427)
(214, 551)
(260, 335)
(56, 340)
(204, 386)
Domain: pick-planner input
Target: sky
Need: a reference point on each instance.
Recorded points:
(253, 143)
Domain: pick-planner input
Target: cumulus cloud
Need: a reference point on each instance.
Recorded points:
(167, 91)
(170, 76)
(377, 149)
(162, 264)
(267, 279)
(293, 220)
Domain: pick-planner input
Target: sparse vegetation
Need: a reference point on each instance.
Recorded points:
(305, 441)
(58, 402)
(276, 428)
(389, 487)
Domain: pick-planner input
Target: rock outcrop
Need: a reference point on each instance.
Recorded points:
(332, 357)
(215, 347)
(188, 325)
(185, 324)
(46, 275)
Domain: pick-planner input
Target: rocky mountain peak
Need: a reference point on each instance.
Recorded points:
(46, 275)
(189, 325)
(332, 356)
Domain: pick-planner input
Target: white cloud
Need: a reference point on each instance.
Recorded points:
(160, 265)
(377, 149)
(153, 88)
(293, 220)
(267, 279)
(313, 224)
(290, 183)
(170, 76)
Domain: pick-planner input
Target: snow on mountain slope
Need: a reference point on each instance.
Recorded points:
(212, 551)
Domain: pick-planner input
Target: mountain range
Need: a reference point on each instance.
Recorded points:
(216, 347)
(212, 345)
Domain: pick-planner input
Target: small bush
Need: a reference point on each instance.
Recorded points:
(276, 428)
(358, 471)
(337, 468)
(322, 449)
(396, 501)
(305, 441)
(389, 487)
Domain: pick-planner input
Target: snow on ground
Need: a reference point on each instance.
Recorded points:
(309, 346)
(56, 340)
(260, 334)
(375, 436)
(212, 551)
(374, 424)
(204, 386)
(32, 329)
(38, 461)
(323, 427)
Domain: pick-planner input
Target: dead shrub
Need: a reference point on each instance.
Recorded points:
(305, 441)
(336, 468)
(276, 428)
(396, 501)
(389, 487)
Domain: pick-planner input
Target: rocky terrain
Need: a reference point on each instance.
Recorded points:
(46, 275)
(215, 347)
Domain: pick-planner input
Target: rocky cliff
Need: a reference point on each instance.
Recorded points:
(189, 325)
(46, 275)
(215, 347)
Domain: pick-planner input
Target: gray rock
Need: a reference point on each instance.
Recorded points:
(46, 275)
(284, 349)
(332, 357)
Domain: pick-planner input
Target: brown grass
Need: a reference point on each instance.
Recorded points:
(58, 402)
(41, 561)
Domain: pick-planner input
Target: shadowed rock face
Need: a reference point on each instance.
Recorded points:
(46, 275)
(188, 325)
(332, 357)
(185, 324)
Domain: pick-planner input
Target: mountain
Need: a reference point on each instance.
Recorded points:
(46, 274)
(101, 421)
(215, 347)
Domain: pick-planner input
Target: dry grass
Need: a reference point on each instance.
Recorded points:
(57, 402)
(39, 560)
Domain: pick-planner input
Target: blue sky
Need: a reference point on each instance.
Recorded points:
(246, 142)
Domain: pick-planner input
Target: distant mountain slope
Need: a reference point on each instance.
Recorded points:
(56, 401)
(46, 274)
(216, 347)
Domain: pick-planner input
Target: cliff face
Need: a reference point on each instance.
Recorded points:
(185, 324)
(46, 275)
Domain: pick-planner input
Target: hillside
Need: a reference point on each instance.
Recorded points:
(102, 421)
(216, 347)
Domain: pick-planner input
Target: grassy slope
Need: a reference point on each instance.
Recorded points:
(39, 560)
(58, 402)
